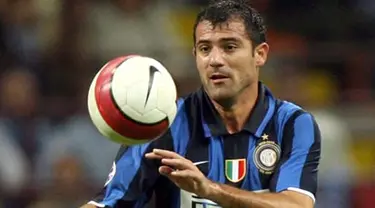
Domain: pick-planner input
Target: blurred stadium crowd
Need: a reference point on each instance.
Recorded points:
(322, 58)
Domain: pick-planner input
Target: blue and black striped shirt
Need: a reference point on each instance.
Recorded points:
(278, 149)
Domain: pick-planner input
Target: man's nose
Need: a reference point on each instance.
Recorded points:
(216, 58)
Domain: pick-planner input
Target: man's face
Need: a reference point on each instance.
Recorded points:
(225, 58)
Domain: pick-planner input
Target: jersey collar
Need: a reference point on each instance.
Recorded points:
(260, 116)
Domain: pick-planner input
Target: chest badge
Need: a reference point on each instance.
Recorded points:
(235, 169)
(266, 155)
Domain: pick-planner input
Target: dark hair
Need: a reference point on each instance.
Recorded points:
(220, 11)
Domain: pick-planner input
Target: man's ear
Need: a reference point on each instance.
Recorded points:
(193, 51)
(261, 54)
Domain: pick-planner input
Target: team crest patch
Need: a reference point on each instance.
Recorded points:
(266, 155)
(235, 170)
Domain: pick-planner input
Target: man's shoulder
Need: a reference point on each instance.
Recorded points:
(288, 110)
(287, 107)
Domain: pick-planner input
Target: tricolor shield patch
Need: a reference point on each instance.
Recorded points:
(235, 170)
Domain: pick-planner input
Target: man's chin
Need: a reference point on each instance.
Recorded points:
(221, 96)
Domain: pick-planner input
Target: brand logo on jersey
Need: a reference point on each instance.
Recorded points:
(235, 170)
(111, 174)
(266, 155)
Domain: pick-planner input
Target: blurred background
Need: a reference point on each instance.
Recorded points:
(322, 58)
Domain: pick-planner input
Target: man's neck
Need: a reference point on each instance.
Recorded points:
(236, 116)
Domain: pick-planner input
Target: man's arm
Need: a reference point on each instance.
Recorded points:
(228, 196)
(241, 198)
(132, 177)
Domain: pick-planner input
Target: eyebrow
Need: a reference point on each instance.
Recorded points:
(231, 39)
(228, 39)
(203, 42)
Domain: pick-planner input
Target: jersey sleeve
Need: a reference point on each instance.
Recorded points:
(298, 166)
(132, 176)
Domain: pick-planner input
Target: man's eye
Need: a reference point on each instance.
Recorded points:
(204, 48)
(230, 47)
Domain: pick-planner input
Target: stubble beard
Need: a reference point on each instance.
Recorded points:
(225, 96)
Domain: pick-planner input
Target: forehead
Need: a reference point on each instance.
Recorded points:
(229, 29)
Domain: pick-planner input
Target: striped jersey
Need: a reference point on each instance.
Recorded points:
(278, 149)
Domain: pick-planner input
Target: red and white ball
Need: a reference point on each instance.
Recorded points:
(132, 100)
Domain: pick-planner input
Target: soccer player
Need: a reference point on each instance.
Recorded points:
(232, 144)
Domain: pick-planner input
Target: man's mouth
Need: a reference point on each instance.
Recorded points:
(218, 77)
(215, 76)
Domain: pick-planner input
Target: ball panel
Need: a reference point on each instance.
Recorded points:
(112, 114)
(104, 128)
(130, 72)
(149, 116)
(136, 99)
(94, 113)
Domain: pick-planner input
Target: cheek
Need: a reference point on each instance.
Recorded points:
(200, 65)
(246, 69)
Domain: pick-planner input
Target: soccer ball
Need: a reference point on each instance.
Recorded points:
(132, 100)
